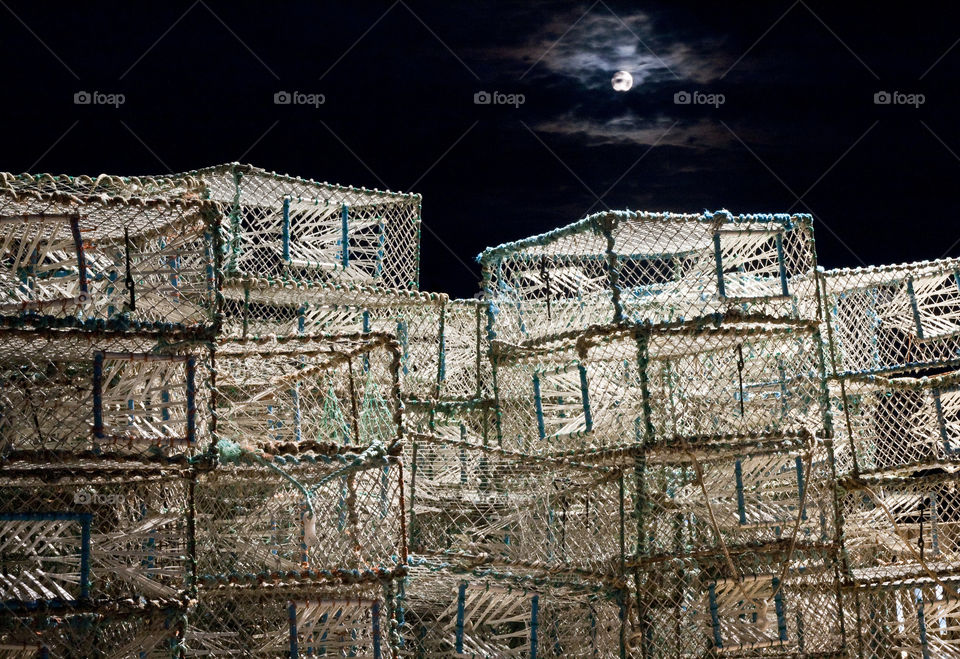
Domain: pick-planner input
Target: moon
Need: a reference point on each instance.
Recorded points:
(622, 81)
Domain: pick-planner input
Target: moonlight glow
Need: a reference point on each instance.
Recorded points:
(622, 81)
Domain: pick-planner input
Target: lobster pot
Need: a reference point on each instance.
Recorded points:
(280, 226)
(900, 424)
(734, 495)
(73, 391)
(489, 613)
(894, 318)
(650, 267)
(917, 619)
(698, 607)
(294, 619)
(891, 523)
(253, 516)
(321, 394)
(149, 263)
(467, 372)
(72, 532)
(256, 308)
(614, 387)
(516, 510)
(113, 631)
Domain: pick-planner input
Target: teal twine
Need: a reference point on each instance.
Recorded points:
(231, 451)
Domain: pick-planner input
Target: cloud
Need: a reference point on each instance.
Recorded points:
(590, 47)
(631, 129)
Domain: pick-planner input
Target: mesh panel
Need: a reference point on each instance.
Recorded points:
(913, 619)
(253, 519)
(123, 393)
(108, 259)
(698, 607)
(590, 391)
(336, 391)
(472, 501)
(894, 318)
(69, 535)
(900, 423)
(490, 614)
(759, 493)
(650, 267)
(306, 620)
(467, 371)
(116, 633)
(893, 524)
(255, 308)
(281, 226)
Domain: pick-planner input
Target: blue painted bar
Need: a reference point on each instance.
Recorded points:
(585, 394)
(286, 229)
(86, 519)
(715, 616)
(345, 236)
(375, 614)
(778, 607)
(301, 319)
(718, 257)
(534, 623)
(78, 244)
(915, 307)
(782, 265)
(381, 239)
(799, 462)
(741, 505)
(98, 395)
(538, 404)
(191, 399)
(165, 398)
(922, 624)
(942, 422)
(956, 278)
(461, 602)
(294, 650)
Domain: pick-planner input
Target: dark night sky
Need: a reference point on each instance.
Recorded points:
(799, 117)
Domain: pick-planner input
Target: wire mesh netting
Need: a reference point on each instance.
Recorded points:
(281, 226)
(325, 393)
(309, 619)
(757, 603)
(71, 533)
(107, 259)
(124, 630)
(894, 318)
(650, 267)
(258, 308)
(486, 613)
(313, 512)
(898, 424)
(910, 618)
(118, 392)
(617, 386)
(491, 505)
